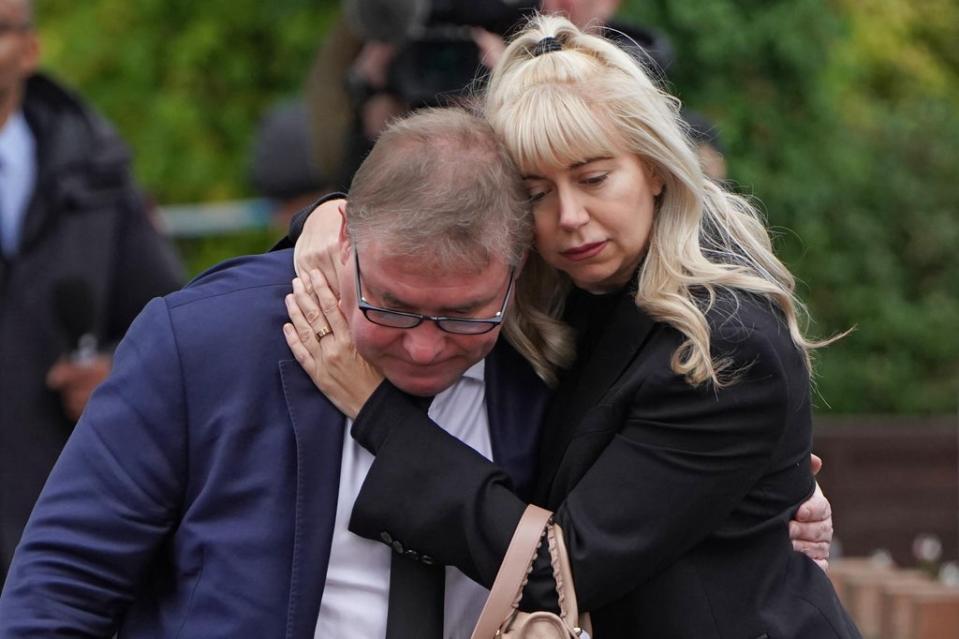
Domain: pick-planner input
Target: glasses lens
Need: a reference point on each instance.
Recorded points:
(388, 318)
(466, 328)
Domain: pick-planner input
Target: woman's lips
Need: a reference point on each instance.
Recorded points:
(584, 251)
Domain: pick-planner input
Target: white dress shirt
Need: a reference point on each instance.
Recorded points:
(18, 174)
(356, 596)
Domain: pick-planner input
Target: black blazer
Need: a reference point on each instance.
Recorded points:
(674, 500)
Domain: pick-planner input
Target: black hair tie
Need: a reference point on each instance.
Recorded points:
(546, 45)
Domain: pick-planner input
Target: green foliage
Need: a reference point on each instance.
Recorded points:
(184, 81)
(842, 118)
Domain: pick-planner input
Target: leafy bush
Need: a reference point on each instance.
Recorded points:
(842, 118)
(185, 82)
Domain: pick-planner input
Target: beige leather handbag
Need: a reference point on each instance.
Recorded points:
(501, 618)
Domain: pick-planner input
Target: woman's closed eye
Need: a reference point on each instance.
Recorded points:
(537, 193)
(591, 180)
(536, 197)
(595, 179)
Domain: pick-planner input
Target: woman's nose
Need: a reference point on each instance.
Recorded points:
(572, 213)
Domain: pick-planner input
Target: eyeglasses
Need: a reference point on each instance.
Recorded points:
(402, 319)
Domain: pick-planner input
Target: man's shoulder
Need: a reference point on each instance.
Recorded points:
(235, 307)
(246, 277)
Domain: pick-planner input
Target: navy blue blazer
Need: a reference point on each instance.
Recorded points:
(197, 494)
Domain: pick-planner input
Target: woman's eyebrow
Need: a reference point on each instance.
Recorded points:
(574, 165)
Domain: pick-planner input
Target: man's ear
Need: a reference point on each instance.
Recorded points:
(344, 238)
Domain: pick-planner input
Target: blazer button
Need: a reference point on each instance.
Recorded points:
(387, 538)
(398, 547)
(426, 559)
(412, 554)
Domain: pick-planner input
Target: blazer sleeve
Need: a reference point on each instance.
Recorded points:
(681, 460)
(111, 499)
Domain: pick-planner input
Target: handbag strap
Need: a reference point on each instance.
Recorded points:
(563, 574)
(512, 571)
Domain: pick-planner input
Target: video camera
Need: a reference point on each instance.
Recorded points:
(437, 58)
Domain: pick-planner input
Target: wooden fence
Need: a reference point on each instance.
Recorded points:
(889, 480)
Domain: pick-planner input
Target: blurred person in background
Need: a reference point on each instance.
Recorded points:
(648, 44)
(78, 260)
(708, 145)
(386, 57)
(281, 167)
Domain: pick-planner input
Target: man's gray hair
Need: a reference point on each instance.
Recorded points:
(439, 186)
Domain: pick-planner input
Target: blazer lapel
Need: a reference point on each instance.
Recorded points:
(623, 335)
(318, 427)
(515, 402)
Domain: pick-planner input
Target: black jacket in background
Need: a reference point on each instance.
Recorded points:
(86, 219)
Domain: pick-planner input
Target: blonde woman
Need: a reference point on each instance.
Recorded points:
(676, 448)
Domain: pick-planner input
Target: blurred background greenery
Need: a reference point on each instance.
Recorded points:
(840, 116)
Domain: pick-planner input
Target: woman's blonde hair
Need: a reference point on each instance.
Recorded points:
(582, 98)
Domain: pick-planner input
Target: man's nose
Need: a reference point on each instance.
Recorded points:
(423, 343)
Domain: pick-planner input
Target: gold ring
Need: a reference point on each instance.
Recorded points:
(323, 332)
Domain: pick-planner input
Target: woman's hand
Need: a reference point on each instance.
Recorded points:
(321, 342)
(318, 246)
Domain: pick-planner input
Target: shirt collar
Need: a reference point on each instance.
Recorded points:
(477, 371)
(15, 140)
(474, 374)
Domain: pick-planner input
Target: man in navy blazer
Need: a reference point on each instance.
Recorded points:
(198, 494)
(201, 493)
